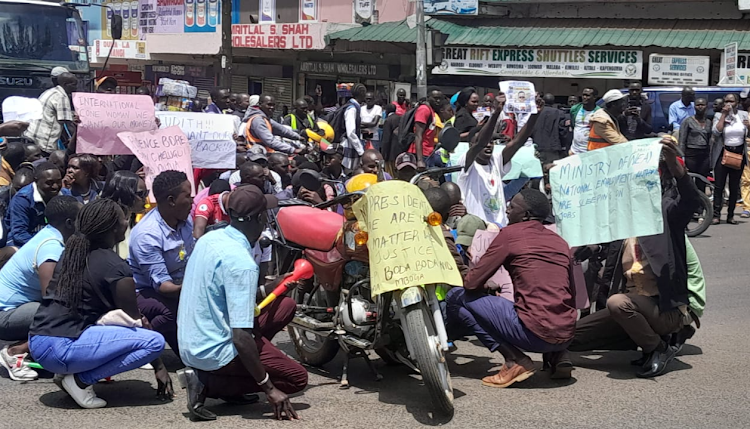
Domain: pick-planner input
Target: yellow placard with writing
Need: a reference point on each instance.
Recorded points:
(404, 250)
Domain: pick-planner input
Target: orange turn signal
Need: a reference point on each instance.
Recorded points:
(434, 219)
(360, 238)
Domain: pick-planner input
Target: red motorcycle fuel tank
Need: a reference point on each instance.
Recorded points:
(309, 227)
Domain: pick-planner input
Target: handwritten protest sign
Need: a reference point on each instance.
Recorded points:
(608, 194)
(524, 163)
(404, 250)
(160, 150)
(21, 109)
(104, 115)
(211, 136)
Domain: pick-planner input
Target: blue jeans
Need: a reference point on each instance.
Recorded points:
(100, 351)
(494, 321)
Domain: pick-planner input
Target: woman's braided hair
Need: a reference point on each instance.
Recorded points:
(94, 222)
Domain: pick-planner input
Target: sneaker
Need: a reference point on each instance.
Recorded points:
(15, 366)
(85, 398)
(508, 376)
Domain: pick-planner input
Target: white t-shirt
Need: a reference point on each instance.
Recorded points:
(482, 188)
(581, 128)
(734, 132)
(367, 115)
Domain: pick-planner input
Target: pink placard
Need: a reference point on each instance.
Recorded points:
(160, 150)
(104, 115)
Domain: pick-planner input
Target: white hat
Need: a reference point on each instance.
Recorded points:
(57, 71)
(613, 95)
(254, 100)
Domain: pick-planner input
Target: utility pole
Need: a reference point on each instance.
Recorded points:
(421, 52)
(225, 54)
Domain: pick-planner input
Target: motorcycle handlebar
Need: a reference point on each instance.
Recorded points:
(436, 172)
(339, 200)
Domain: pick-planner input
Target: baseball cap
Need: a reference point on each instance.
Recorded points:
(57, 71)
(255, 157)
(406, 159)
(613, 95)
(249, 200)
(467, 227)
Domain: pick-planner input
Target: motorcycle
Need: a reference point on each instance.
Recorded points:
(340, 308)
(702, 220)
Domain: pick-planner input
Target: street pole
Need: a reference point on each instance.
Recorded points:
(225, 54)
(421, 52)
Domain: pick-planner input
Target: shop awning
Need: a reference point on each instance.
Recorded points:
(687, 34)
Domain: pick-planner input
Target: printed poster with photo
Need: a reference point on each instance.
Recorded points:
(521, 96)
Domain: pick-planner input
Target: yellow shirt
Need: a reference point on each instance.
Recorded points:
(6, 173)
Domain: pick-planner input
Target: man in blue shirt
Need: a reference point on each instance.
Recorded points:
(24, 280)
(25, 216)
(681, 109)
(160, 245)
(227, 349)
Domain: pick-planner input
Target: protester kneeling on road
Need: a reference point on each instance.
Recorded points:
(543, 317)
(653, 274)
(24, 280)
(88, 326)
(227, 349)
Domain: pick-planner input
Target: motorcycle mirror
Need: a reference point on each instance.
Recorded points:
(116, 26)
(310, 179)
(449, 138)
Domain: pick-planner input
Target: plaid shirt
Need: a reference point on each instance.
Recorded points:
(55, 108)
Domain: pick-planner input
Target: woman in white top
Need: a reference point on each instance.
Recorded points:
(729, 130)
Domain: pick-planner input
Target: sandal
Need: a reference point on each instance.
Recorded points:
(715, 221)
(731, 221)
(745, 214)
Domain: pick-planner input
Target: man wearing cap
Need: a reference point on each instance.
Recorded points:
(406, 166)
(681, 109)
(227, 349)
(57, 116)
(56, 72)
(105, 85)
(605, 129)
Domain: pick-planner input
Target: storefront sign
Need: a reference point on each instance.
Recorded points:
(267, 11)
(531, 62)
(279, 36)
(363, 11)
(308, 10)
(678, 69)
(175, 16)
(730, 64)
(451, 7)
(128, 49)
(368, 70)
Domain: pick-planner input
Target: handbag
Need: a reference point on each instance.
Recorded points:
(731, 160)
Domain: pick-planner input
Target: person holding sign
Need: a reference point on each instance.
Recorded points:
(653, 274)
(543, 318)
(481, 178)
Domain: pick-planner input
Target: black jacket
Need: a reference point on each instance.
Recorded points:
(666, 251)
(550, 132)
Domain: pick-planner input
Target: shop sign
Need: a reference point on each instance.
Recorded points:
(532, 62)
(451, 7)
(308, 10)
(730, 64)
(368, 70)
(279, 36)
(267, 11)
(678, 69)
(363, 11)
(128, 49)
(176, 16)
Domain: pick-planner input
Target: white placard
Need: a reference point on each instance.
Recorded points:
(730, 64)
(678, 70)
(211, 136)
(21, 109)
(520, 96)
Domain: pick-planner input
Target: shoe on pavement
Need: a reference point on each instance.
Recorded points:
(679, 338)
(196, 395)
(641, 360)
(14, 364)
(85, 398)
(559, 365)
(508, 376)
(657, 362)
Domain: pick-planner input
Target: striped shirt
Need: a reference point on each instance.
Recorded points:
(56, 107)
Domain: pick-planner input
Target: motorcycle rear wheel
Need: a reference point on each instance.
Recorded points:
(698, 226)
(429, 357)
(312, 349)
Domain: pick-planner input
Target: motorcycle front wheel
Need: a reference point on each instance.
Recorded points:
(425, 345)
(702, 219)
(312, 349)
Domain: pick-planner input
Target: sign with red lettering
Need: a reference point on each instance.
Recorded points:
(279, 36)
(129, 49)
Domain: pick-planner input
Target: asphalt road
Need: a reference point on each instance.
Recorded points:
(706, 387)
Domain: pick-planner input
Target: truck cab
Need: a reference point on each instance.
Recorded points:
(35, 37)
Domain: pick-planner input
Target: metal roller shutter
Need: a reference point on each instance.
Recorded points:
(204, 85)
(281, 89)
(239, 84)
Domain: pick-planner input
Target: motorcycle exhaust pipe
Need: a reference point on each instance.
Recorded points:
(311, 324)
(356, 342)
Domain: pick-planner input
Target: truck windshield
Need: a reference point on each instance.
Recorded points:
(42, 36)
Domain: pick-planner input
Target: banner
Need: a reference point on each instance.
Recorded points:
(177, 16)
(102, 116)
(451, 7)
(308, 10)
(730, 65)
(678, 69)
(160, 150)
(127, 49)
(279, 36)
(211, 136)
(532, 62)
(130, 13)
(363, 11)
(608, 194)
(267, 11)
(404, 250)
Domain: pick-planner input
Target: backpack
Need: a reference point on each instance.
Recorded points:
(338, 122)
(406, 130)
